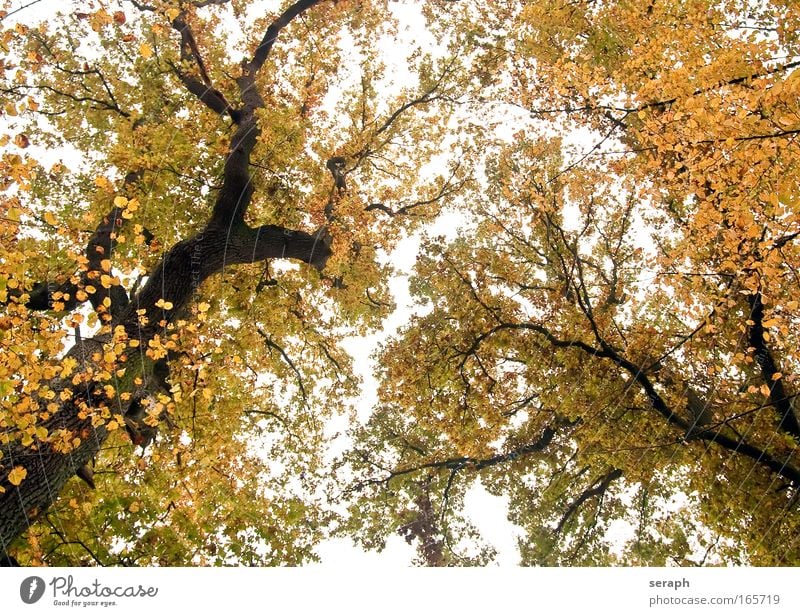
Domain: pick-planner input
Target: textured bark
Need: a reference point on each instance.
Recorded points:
(778, 396)
(48, 471)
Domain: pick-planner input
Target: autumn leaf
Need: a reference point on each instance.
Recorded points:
(17, 475)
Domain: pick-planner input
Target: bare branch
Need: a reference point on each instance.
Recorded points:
(17, 10)
(275, 346)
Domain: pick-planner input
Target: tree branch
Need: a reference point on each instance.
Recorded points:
(271, 35)
(769, 370)
(598, 488)
(275, 346)
(477, 464)
(448, 188)
(99, 248)
(658, 404)
(202, 88)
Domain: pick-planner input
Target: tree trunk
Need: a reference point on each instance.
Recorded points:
(174, 280)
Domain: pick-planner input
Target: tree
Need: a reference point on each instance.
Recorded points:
(215, 359)
(612, 347)
(608, 341)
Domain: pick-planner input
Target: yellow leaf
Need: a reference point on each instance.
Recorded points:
(50, 219)
(765, 389)
(134, 507)
(172, 13)
(145, 50)
(17, 475)
(120, 201)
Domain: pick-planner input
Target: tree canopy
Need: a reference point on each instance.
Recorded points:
(202, 202)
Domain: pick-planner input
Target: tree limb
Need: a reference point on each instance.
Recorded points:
(202, 88)
(598, 488)
(275, 346)
(477, 464)
(769, 369)
(99, 248)
(271, 35)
